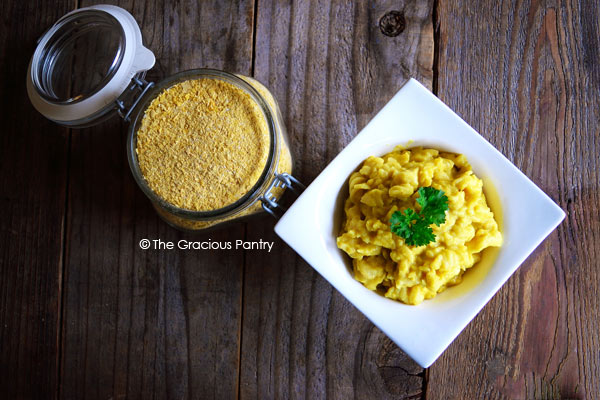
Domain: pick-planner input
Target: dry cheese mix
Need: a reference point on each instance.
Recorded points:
(202, 144)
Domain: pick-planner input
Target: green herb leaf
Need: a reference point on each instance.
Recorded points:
(401, 223)
(415, 227)
(434, 204)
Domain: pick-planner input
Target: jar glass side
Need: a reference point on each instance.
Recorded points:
(285, 163)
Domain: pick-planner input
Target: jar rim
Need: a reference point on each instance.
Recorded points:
(248, 198)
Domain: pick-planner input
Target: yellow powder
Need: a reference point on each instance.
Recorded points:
(202, 144)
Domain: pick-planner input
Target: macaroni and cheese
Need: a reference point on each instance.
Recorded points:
(381, 260)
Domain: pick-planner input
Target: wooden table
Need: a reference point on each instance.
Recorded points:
(84, 312)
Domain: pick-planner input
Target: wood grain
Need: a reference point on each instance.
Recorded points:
(33, 177)
(525, 74)
(226, 324)
(331, 69)
(155, 323)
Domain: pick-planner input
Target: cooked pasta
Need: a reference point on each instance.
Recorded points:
(382, 260)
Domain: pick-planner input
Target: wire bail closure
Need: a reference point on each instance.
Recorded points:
(138, 84)
(286, 181)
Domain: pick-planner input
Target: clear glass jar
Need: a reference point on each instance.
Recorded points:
(277, 167)
(90, 65)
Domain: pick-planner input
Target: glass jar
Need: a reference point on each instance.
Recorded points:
(275, 176)
(76, 87)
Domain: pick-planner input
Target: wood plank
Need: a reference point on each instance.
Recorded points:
(525, 75)
(33, 177)
(331, 69)
(156, 323)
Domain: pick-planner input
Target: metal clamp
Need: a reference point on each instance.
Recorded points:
(285, 181)
(137, 85)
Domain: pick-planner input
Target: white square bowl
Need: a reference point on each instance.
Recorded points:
(415, 117)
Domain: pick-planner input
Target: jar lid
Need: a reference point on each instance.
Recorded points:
(84, 62)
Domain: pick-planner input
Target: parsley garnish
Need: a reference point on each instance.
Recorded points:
(415, 227)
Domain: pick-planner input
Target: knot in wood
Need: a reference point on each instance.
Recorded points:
(392, 23)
